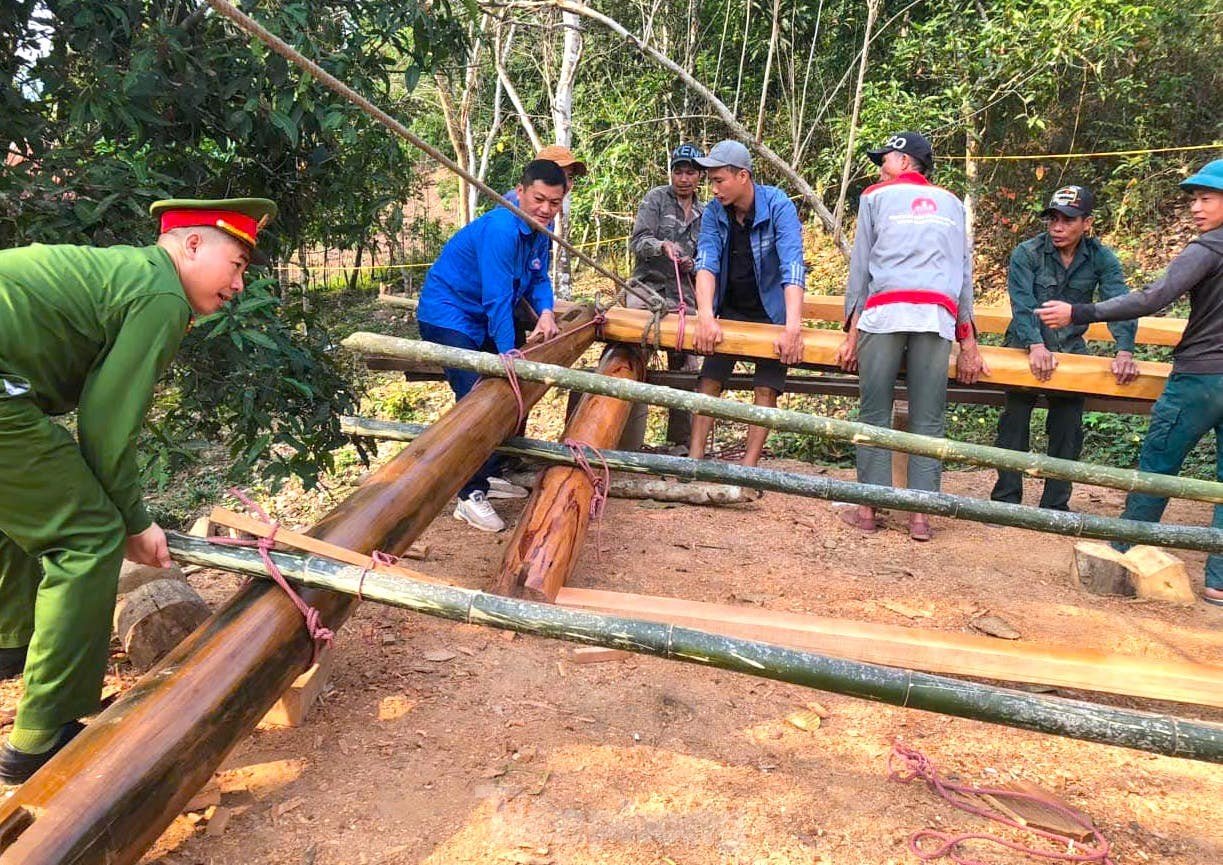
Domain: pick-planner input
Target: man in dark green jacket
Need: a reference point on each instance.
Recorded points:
(91, 330)
(1064, 262)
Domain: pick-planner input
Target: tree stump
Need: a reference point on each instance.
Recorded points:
(1159, 575)
(1101, 570)
(132, 576)
(157, 616)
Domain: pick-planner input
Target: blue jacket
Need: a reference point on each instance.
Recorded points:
(777, 249)
(482, 273)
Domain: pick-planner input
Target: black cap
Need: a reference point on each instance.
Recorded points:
(1071, 201)
(912, 144)
(686, 153)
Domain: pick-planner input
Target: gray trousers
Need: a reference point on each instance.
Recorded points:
(924, 357)
(679, 423)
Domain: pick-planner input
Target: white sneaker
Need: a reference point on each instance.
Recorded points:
(500, 488)
(478, 513)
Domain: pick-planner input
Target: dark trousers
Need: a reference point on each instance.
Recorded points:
(1190, 407)
(1064, 427)
(461, 381)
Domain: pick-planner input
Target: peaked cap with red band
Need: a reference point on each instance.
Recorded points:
(242, 218)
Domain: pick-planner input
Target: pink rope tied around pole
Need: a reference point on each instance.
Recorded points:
(314, 627)
(600, 483)
(507, 361)
(376, 558)
(915, 765)
(680, 310)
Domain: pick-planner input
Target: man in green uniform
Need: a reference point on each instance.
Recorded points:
(92, 330)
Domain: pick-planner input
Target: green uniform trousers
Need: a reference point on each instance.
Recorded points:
(61, 545)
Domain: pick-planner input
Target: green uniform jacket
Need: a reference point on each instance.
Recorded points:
(1037, 274)
(93, 330)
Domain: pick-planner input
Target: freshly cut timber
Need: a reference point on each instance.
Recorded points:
(1152, 330)
(155, 617)
(108, 795)
(1073, 718)
(1035, 465)
(1077, 373)
(544, 550)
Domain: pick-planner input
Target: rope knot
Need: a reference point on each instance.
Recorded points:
(511, 377)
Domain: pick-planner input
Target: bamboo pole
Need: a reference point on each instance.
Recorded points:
(544, 550)
(112, 791)
(1076, 373)
(1160, 734)
(1075, 525)
(1035, 465)
(1152, 330)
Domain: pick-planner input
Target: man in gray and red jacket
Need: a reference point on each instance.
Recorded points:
(909, 298)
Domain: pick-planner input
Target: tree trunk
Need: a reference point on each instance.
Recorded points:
(548, 540)
(562, 121)
(768, 69)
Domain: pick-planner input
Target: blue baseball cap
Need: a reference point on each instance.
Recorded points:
(1209, 176)
(727, 154)
(687, 153)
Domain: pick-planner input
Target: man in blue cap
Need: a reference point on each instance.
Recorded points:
(749, 267)
(663, 242)
(1192, 402)
(470, 294)
(1063, 262)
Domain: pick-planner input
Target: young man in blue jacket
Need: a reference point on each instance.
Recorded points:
(749, 267)
(471, 291)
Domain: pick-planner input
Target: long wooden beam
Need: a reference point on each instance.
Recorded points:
(1076, 373)
(107, 796)
(931, 651)
(549, 536)
(1152, 330)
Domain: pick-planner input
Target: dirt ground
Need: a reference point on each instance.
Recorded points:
(507, 751)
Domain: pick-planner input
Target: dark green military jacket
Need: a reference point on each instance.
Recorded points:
(1037, 274)
(92, 330)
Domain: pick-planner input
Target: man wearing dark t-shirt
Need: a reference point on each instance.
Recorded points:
(749, 267)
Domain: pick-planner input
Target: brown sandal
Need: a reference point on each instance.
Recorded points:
(919, 530)
(866, 525)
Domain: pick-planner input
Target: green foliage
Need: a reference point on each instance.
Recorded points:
(261, 378)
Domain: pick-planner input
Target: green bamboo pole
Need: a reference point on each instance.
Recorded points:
(1143, 731)
(1036, 465)
(1077, 525)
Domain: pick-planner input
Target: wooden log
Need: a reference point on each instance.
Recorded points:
(1036, 465)
(1100, 569)
(1077, 524)
(399, 301)
(111, 792)
(549, 536)
(932, 651)
(1152, 330)
(663, 490)
(1159, 576)
(155, 617)
(915, 690)
(1076, 373)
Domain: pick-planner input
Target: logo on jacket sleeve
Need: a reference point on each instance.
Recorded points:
(536, 264)
(923, 206)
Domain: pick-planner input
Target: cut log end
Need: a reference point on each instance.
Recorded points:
(157, 616)
(1101, 570)
(1144, 572)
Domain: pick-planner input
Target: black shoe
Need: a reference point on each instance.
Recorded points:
(16, 767)
(12, 662)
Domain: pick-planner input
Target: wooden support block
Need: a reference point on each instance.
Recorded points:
(295, 703)
(900, 459)
(1101, 570)
(157, 616)
(201, 528)
(1159, 575)
(596, 655)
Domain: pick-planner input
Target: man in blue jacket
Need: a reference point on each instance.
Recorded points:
(470, 293)
(749, 267)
